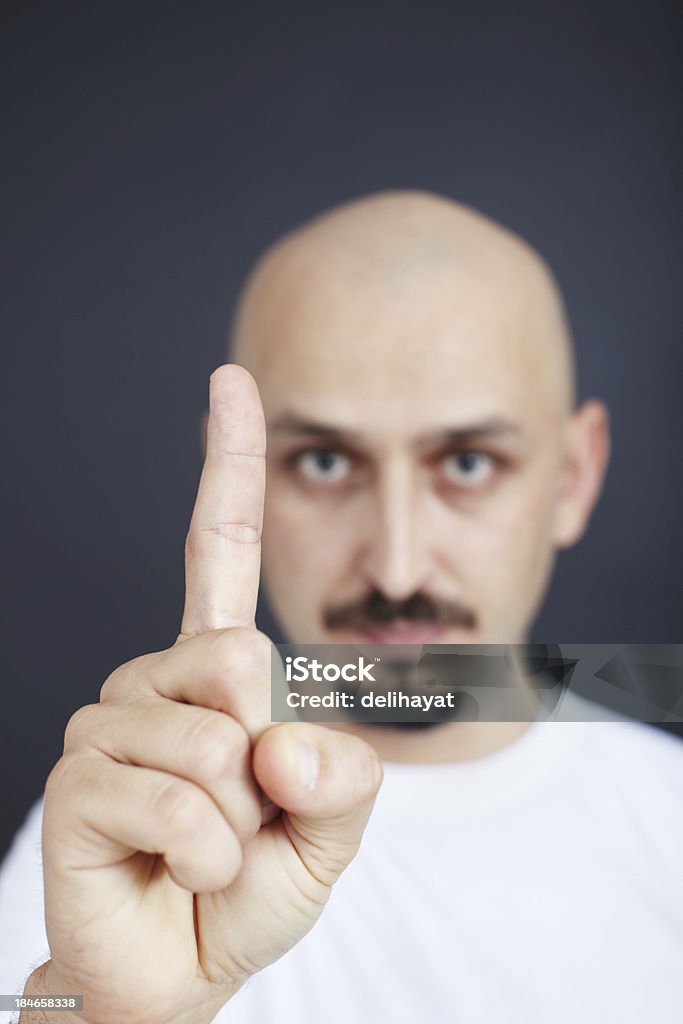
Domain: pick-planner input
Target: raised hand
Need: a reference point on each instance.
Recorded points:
(187, 842)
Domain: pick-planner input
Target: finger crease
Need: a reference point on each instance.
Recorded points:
(242, 533)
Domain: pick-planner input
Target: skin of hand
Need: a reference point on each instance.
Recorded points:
(187, 841)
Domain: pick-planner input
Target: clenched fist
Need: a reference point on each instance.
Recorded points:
(187, 842)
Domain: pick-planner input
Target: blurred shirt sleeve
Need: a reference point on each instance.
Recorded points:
(23, 940)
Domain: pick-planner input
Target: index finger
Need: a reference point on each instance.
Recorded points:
(223, 547)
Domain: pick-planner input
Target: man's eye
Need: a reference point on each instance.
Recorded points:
(467, 469)
(323, 466)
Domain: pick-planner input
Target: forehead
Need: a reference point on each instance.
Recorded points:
(401, 356)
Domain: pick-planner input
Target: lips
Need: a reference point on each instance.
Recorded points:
(402, 632)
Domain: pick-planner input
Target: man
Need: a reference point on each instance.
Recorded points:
(411, 364)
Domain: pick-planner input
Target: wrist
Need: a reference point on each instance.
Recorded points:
(45, 985)
(43, 990)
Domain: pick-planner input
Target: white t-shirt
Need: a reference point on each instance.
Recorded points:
(542, 884)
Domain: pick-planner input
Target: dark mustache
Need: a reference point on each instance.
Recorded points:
(376, 609)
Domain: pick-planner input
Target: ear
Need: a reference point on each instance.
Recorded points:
(586, 458)
(203, 424)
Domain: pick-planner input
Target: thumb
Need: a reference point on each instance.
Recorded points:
(326, 781)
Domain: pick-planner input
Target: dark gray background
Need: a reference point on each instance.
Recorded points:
(150, 151)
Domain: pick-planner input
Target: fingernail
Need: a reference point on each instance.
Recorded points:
(308, 765)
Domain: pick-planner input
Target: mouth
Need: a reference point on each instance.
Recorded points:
(401, 631)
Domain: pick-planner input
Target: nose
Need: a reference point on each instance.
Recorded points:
(396, 558)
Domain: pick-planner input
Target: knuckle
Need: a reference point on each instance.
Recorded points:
(261, 650)
(245, 651)
(109, 687)
(127, 680)
(80, 726)
(178, 806)
(237, 655)
(67, 779)
(218, 747)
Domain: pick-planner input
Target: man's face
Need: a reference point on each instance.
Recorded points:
(419, 429)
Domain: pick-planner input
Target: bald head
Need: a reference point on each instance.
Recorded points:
(424, 456)
(388, 262)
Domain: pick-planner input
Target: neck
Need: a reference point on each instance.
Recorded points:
(452, 741)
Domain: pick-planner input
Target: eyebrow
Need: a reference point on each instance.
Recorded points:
(495, 428)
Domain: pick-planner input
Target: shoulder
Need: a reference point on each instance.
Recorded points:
(643, 753)
(639, 760)
(641, 764)
(621, 736)
(625, 779)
